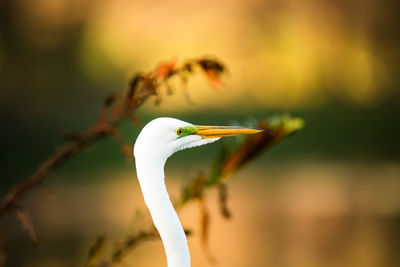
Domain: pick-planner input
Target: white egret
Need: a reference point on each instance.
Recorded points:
(157, 141)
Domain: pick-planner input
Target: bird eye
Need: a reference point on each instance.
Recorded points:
(179, 131)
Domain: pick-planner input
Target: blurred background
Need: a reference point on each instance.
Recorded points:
(327, 196)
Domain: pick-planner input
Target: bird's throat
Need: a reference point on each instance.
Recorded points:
(151, 179)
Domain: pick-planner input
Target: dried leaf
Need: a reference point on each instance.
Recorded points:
(187, 67)
(96, 250)
(214, 79)
(204, 230)
(223, 197)
(213, 71)
(111, 99)
(211, 64)
(150, 85)
(165, 69)
(170, 91)
(26, 222)
(126, 245)
(195, 188)
(133, 85)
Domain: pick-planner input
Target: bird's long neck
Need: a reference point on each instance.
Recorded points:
(151, 178)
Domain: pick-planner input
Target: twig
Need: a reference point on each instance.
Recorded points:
(116, 110)
(141, 88)
(3, 248)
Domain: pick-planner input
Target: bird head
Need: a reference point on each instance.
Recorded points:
(162, 137)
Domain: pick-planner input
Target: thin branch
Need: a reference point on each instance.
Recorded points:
(142, 86)
(3, 248)
(117, 108)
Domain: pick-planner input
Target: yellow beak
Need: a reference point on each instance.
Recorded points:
(224, 131)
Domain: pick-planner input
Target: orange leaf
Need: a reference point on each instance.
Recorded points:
(214, 78)
(213, 70)
(165, 69)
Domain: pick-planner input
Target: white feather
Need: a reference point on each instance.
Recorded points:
(156, 142)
